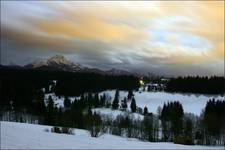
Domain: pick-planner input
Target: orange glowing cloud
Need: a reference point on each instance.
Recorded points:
(89, 29)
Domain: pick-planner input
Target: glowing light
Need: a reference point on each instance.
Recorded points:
(141, 82)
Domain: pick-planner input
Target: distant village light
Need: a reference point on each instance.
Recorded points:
(141, 82)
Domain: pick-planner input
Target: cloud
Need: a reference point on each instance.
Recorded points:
(131, 35)
(89, 29)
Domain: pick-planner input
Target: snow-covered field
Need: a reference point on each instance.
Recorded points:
(192, 103)
(114, 113)
(29, 136)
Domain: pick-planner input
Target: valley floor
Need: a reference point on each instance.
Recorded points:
(30, 136)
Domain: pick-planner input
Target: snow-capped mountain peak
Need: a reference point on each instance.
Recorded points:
(59, 59)
(57, 62)
(38, 63)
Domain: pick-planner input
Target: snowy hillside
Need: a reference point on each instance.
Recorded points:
(29, 136)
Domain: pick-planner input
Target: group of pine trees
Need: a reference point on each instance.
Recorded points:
(207, 129)
(130, 96)
(172, 120)
(213, 123)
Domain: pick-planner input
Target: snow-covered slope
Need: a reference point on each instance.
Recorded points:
(29, 136)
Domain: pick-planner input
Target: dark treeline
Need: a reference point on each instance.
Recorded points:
(22, 85)
(206, 85)
(81, 83)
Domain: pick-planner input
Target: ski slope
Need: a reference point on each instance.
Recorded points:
(30, 136)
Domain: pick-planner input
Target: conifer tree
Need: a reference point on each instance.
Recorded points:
(145, 110)
(133, 105)
(148, 128)
(124, 103)
(115, 103)
(130, 94)
(67, 102)
(49, 116)
(40, 104)
(103, 100)
(96, 100)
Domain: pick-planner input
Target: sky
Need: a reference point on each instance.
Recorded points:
(161, 37)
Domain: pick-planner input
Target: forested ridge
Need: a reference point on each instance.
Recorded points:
(22, 85)
(196, 84)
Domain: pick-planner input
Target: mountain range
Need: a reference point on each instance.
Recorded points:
(60, 63)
